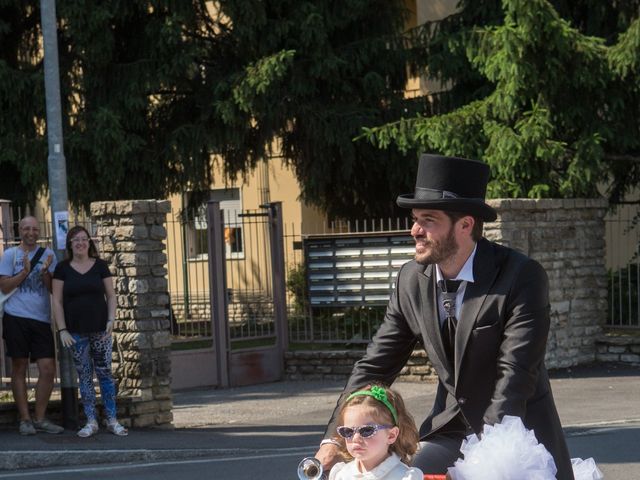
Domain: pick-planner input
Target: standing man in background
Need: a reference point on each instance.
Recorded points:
(26, 323)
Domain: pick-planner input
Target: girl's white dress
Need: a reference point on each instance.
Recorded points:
(508, 450)
(391, 469)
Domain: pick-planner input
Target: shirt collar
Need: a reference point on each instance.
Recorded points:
(381, 471)
(466, 272)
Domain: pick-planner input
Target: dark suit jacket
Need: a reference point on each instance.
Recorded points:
(500, 346)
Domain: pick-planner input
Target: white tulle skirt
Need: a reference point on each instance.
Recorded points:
(508, 450)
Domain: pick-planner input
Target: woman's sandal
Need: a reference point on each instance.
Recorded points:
(88, 430)
(117, 429)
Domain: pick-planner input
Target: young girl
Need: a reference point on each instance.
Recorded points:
(379, 434)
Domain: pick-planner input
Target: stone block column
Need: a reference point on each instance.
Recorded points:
(131, 237)
(567, 237)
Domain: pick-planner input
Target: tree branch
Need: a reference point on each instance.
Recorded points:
(622, 158)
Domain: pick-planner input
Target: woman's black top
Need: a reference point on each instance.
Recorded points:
(83, 297)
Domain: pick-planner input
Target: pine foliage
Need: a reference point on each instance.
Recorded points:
(23, 153)
(154, 90)
(551, 103)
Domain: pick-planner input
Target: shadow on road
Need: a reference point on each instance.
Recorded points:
(596, 370)
(618, 444)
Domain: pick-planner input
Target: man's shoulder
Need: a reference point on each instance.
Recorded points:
(48, 251)
(11, 251)
(503, 252)
(411, 268)
(509, 259)
(6, 261)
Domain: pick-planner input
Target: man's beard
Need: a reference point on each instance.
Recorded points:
(440, 250)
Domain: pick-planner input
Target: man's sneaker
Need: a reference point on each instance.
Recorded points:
(45, 425)
(26, 428)
(91, 428)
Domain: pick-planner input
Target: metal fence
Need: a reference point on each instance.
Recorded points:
(248, 268)
(356, 325)
(346, 325)
(623, 264)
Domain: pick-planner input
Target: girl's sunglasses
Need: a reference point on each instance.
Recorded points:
(365, 431)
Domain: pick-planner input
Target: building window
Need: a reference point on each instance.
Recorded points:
(231, 205)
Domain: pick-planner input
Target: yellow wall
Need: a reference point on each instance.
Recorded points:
(268, 182)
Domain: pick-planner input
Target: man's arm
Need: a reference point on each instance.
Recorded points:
(46, 272)
(386, 355)
(9, 281)
(523, 345)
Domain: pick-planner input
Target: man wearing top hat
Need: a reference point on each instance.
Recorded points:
(481, 311)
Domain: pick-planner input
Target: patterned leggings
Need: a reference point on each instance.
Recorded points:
(93, 351)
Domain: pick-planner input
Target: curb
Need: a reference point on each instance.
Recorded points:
(24, 459)
(20, 459)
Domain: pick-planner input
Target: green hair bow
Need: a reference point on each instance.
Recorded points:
(379, 394)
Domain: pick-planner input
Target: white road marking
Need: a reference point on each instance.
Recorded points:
(296, 451)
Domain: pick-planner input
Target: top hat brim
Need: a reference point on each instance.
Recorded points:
(471, 206)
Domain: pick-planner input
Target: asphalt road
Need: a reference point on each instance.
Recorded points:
(614, 445)
(268, 466)
(261, 432)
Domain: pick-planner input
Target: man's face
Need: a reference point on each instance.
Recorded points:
(434, 235)
(29, 231)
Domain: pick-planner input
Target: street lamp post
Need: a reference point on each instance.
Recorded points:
(57, 188)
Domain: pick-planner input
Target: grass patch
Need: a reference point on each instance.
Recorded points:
(191, 345)
(296, 347)
(253, 343)
(621, 332)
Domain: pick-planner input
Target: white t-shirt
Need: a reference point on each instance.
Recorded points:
(32, 298)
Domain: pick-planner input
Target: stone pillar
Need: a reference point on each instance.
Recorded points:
(567, 237)
(6, 224)
(132, 240)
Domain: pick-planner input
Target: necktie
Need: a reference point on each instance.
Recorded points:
(448, 292)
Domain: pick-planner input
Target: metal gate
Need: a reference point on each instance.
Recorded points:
(247, 333)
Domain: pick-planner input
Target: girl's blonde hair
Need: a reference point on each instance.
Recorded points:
(407, 442)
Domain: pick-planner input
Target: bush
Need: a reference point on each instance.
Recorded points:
(622, 290)
(297, 287)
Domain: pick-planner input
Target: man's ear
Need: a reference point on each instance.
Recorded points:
(466, 223)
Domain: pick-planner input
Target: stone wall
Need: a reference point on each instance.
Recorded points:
(567, 238)
(337, 365)
(618, 349)
(132, 236)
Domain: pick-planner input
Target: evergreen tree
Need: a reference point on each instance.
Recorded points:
(134, 125)
(552, 107)
(23, 148)
(557, 110)
(349, 69)
(153, 90)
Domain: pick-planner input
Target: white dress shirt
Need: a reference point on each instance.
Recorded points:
(465, 275)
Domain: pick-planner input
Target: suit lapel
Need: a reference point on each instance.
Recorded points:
(484, 273)
(432, 325)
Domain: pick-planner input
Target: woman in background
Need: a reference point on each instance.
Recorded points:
(84, 305)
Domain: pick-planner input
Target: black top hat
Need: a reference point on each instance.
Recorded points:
(451, 184)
